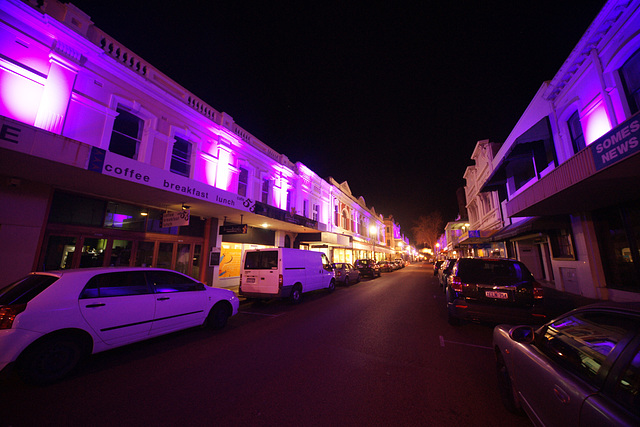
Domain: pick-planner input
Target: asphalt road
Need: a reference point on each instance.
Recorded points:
(379, 352)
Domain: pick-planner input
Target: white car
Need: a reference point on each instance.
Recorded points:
(50, 320)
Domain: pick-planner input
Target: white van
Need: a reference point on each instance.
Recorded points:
(284, 273)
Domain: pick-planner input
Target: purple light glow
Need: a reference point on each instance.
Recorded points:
(20, 97)
(596, 124)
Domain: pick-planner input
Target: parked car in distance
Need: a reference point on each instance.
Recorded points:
(582, 368)
(346, 273)
(444, 271)
(494, 290)
(386, 266)
(401, 263)
(51, 320)
(367, 267)
(436, 266)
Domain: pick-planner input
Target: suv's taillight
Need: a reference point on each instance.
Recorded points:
(456, 283)
(538, 291)
(8, 314)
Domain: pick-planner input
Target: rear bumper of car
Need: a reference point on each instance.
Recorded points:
(470, 310)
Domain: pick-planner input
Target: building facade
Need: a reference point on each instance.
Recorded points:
(567, 176)
(104, 160)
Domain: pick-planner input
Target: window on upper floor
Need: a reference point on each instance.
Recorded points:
(266, 185)
(305, 208)
(575, 131)
(336, 215)
(345, 220)
(630, 73)
(127, 134)
(243, 180)
(289, 202)
(316, 209)
(181, 157)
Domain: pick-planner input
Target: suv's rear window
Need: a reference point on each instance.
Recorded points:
(25, 289)
(261, 260)
(481, 271)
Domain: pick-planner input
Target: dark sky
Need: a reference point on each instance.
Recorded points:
(390, 98)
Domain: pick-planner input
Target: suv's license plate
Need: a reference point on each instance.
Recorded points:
(497, 295)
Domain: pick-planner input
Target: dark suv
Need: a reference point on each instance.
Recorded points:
(495, 290)
(367, 267)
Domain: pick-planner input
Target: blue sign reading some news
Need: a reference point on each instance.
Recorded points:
(617, 144)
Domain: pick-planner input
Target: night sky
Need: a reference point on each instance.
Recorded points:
(390, 98)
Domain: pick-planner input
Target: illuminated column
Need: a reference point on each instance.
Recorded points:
(56, 93)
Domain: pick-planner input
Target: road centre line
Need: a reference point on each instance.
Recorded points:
(442, 341)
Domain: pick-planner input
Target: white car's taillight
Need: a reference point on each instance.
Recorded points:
(8, 314)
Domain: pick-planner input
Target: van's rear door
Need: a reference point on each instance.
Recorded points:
(261, 273)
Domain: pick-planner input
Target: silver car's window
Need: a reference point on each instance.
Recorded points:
(581, 342)
(628, 386)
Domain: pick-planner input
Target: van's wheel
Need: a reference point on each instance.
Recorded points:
(332, 285)
(296, 294)
(50, 359)
(346, 281)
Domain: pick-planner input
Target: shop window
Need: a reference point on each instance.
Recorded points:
(73, 209)
(630, 73)
(561, 244)
(125, 217)
(144, 254)
(195, 265)
(165, 255)
(575, 130)
(59, 253)
(127, 134)
(183, 258)
(618, 232)
(181, 157)
(93, 251)
(121, 253)
(243, 180)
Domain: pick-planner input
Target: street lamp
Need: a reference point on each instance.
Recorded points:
(373, 231)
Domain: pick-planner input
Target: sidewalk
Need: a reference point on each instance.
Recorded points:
(559, 302)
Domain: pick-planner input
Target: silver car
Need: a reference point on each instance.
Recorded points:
(581, 369)
(346, 273)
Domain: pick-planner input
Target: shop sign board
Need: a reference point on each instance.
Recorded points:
(176, 219)
(619, 143)
(117, 166)
(233, 229)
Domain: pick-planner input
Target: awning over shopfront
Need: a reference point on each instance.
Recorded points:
(530, 226)
(476, 237)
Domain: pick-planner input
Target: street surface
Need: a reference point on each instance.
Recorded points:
(376, 353)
